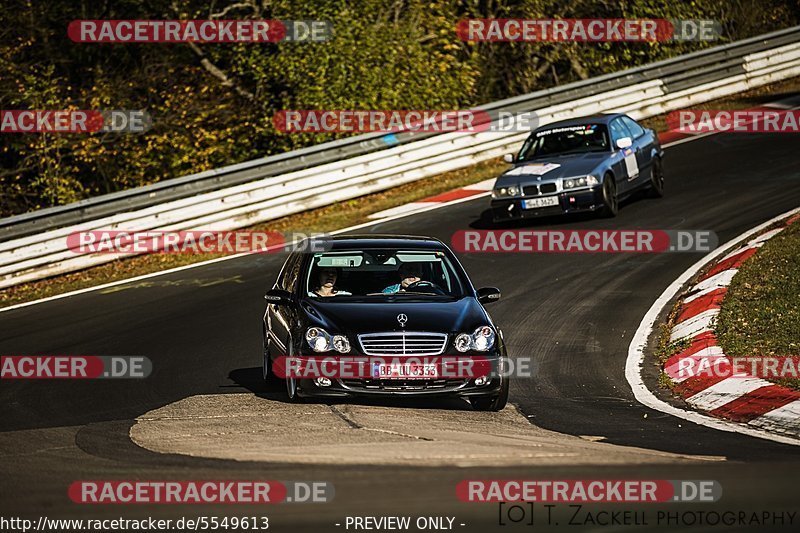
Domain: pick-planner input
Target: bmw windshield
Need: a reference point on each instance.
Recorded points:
(383, 274)
(566, 140)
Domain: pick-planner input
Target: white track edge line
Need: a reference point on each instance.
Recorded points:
(635, 358)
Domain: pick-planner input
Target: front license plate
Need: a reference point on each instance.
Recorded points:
(405, 371)
(534, 203)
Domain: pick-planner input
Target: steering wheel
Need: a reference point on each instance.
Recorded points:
(422, 284)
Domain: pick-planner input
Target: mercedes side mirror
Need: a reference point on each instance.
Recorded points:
(508, 158)
(625, 142)
(487, 295)
(279, 297)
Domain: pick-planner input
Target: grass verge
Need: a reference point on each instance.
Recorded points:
(340, 215)
(665, 348)
(760, 315)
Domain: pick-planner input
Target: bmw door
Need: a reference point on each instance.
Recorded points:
(626, 166)
(644, 144)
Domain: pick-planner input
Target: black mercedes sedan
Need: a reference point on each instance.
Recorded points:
(579, 165)
(400, 311)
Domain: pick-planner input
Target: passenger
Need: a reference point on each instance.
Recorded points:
(326, 287)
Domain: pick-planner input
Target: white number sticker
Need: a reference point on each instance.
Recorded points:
(631, 165)
(535, 169)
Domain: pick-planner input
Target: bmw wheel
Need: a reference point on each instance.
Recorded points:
(657, 179)
(610, 202)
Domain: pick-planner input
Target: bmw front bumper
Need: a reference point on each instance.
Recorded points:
(584, 200)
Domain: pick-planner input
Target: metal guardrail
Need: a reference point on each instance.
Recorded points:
(677, 73)
(33, 246)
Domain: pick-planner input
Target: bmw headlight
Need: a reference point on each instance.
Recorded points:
(505, 192)
(583, 181)
(320, 340)
(481, 340)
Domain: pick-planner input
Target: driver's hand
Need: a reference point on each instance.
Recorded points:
(408, 281)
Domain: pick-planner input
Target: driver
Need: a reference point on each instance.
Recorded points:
(409, 273)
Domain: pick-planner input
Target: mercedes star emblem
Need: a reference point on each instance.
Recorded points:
(402, 319)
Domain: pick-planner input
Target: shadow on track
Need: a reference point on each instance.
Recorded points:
(250, 379)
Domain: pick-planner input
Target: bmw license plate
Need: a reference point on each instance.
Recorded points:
(534, 203)
(405, 371)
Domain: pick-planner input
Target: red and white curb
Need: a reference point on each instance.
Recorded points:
(482, 188)
(742, 403)
(741, 398)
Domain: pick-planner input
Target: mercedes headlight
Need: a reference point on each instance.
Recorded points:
(320, 341)
(583, 181)
(463, 342)
(341, 344)
(481, 340)
(505, 192)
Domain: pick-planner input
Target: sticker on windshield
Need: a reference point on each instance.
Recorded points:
(536, 169)
(584, 129)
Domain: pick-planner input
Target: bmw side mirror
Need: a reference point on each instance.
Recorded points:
(487, 295)
(508, 158)
(279, 297)
(625, 142)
